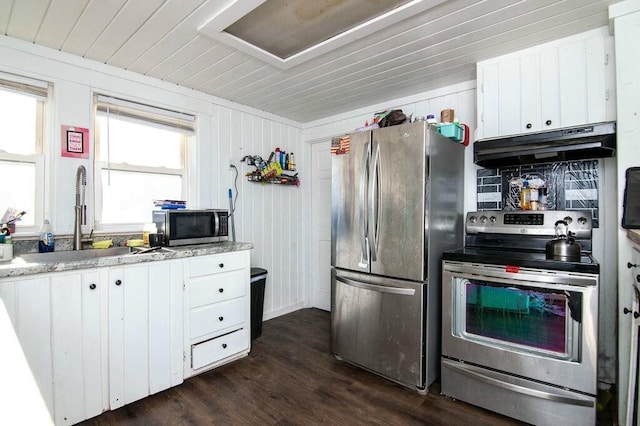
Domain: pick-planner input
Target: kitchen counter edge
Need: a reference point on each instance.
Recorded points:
(18, 267)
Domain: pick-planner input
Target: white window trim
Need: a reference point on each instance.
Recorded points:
(41, 91)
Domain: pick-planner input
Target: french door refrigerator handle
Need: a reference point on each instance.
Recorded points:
(373, 196)
(378, 288)
(362, 213)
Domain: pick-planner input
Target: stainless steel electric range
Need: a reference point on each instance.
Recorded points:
(520, 330)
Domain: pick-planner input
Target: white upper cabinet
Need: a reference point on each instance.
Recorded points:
(569, 82)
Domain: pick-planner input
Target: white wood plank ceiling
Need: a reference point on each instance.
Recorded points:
(431, 49)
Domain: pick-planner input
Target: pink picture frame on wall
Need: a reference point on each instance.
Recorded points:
(75, 142)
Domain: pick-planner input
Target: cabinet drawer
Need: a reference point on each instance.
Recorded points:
(206, 265)
(219, 348)
(209, 319)
(217, 288)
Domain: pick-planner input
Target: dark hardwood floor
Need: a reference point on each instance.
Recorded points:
(291, 378)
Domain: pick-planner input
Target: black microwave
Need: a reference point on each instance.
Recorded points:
(183, 227)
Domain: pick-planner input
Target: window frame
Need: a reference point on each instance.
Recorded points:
(148, 115)
(41, 91)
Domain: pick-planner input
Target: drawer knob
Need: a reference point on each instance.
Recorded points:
(220, 318)
(92, 286)
(529, 125)
(118, 282)
(221, 265)
(638, 278)
(548, 122)
(221, 290)
(224, 346)
(631, 265)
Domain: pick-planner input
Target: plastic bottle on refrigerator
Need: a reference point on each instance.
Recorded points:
(46, 242)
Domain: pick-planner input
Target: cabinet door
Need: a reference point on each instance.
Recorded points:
(28, 304)
(560, 84)
(530, 94)
(631, 309)
(145, 330)
(78, 301)
(501, 89)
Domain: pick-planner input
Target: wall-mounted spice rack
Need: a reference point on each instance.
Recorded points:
(273, 170)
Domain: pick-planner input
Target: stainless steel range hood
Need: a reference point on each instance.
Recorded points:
(575, 143)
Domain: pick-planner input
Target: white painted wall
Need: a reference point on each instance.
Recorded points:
(461, 97)
(267, 216)
(626, 22)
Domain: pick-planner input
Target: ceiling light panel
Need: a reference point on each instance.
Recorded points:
(287, 27)
(285, 33)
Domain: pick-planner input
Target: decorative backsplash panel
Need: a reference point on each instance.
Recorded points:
(571, 185)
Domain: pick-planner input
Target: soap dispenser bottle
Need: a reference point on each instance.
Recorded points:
(45, 241)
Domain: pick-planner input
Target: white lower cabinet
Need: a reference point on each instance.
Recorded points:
(97, 339)
(145, 330)
(217, 310)
(78, 342)
(28, 304)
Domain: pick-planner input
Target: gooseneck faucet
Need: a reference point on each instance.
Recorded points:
(80, 207)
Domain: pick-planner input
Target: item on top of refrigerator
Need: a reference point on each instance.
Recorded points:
(447, 116)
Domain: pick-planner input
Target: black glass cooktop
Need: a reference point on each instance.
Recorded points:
(523, 259)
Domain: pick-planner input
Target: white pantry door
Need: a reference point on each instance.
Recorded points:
(321, 220)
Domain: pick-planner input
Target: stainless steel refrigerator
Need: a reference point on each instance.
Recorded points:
(396, 206)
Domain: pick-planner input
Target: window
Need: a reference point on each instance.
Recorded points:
(22, 116)
(140, 157)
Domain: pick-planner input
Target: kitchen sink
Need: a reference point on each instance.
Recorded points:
(75, 255)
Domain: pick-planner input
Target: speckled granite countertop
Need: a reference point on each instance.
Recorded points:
(19, 267)
(634, 235)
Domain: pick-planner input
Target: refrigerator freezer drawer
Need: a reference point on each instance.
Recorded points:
(377, 324)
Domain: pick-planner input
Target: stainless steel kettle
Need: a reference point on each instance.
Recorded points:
(564, 246)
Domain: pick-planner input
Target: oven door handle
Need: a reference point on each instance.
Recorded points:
(378, 288)
(468, 371)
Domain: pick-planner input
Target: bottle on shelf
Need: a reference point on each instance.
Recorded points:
(46, 242)
(276, 158)
(292, 162)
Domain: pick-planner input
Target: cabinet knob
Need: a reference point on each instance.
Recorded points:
(224, 346)
(92, 286)
(118, 282)
(638, 278)
(220, 318)
(548, 122)
(631, 265)
(626, 310)
(529, 125)
(221, 265)
(221, 290)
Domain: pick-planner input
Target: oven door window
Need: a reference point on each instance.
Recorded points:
(519, 317)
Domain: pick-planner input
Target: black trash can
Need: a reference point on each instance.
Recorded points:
(258, 281)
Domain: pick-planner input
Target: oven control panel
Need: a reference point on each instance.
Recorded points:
(529, 222)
